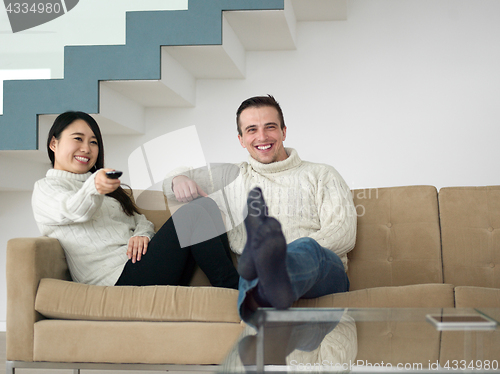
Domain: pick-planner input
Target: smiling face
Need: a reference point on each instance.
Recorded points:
(261, 134)
(77, 149)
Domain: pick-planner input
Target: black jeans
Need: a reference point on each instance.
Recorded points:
(199, 227)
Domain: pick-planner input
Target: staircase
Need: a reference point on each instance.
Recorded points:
(166, 52)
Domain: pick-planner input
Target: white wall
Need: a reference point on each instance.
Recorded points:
(402, 93)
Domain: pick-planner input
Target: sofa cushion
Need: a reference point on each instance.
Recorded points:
(477, 297)
(470, 226)
(413, 296)
(69, 300)
(195, 343)
(398, 238)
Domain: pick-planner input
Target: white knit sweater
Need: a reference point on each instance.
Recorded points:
(92, 228)
(309, 199)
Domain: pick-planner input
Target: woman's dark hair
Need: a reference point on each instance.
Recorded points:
(257, 102)
(64, 120)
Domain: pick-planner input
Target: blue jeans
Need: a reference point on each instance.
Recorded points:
(314, 271)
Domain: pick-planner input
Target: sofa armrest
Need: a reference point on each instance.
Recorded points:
(28, 261)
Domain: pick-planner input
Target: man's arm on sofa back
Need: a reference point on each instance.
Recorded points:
(28, 261)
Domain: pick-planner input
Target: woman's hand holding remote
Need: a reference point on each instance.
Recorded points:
(105, 185)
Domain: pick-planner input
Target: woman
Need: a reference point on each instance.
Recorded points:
(106, 241)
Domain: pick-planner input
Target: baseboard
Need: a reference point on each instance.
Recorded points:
(3, 326)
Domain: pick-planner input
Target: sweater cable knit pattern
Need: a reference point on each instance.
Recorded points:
(92, 228)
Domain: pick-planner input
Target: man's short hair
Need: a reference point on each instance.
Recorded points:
(258, 102)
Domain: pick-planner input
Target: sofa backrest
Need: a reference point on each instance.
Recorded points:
(153, 205)
(398, 238)
(470, 229)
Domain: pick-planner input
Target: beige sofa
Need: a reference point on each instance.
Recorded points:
(414, 248)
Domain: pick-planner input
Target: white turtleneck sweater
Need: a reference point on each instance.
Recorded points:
(92, 228)
(309, 199)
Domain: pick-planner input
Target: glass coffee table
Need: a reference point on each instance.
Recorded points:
(426, 340)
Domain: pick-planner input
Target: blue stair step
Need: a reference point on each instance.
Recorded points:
(138, 59)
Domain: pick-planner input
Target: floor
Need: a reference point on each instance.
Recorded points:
(61, 371)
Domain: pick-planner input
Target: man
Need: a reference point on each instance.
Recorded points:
(295, 246)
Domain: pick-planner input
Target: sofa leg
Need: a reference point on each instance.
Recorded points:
(76, 371)
(9, 367)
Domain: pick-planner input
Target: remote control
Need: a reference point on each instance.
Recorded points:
(114, 174)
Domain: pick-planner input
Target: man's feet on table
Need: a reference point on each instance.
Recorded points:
(264, 255)
(255, 217)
